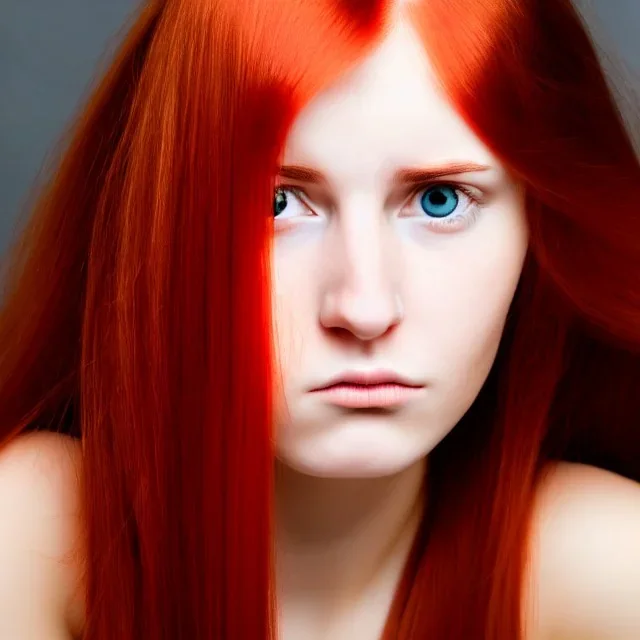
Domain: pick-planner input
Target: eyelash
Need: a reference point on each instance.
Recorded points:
(454, 222)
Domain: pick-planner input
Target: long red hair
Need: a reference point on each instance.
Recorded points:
(137, 309)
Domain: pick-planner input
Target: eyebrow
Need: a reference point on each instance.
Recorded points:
(409, 176)
(419, 175)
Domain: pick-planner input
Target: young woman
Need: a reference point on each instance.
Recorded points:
(328, 326)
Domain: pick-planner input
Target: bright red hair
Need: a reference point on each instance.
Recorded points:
(137, 312)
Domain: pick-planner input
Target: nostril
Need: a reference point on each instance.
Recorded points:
(364, 319)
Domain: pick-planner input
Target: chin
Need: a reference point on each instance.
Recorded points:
(357, 468)
(351, 455)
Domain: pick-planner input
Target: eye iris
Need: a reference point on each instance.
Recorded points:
(439, 202)
(279, 202)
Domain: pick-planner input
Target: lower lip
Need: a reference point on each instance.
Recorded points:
(352, 396)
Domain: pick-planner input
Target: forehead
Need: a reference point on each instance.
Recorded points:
(389, 111)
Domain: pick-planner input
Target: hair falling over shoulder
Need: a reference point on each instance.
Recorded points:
(137, 307)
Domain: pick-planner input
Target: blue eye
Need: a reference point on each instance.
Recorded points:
(439, 201)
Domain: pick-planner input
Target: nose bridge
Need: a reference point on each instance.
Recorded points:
(364, 268)
(362, 289)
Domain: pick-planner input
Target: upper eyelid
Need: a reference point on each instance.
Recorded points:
(299, 191)
(294, 188)
(410, 192)
(467, 190)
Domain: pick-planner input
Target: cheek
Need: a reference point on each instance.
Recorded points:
(465, 303)
(293, 307)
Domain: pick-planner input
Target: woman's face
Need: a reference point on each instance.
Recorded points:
(397, 254)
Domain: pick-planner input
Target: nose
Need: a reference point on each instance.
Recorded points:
(361, 292)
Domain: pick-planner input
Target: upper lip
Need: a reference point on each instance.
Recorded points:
(370, 377)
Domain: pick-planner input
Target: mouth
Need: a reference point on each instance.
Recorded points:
(368, 390)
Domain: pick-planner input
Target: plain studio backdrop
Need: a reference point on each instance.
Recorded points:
(51, 51)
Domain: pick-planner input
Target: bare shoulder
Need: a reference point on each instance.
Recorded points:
(40, 475)
(585, 567)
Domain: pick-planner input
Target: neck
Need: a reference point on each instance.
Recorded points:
(338, 539)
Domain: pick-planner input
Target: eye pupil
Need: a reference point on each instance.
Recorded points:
(437, 198)
(439, 201)
(279, 202)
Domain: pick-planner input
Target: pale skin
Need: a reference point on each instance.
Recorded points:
(365, 277)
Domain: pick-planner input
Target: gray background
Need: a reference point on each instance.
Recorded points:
(51, 49)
